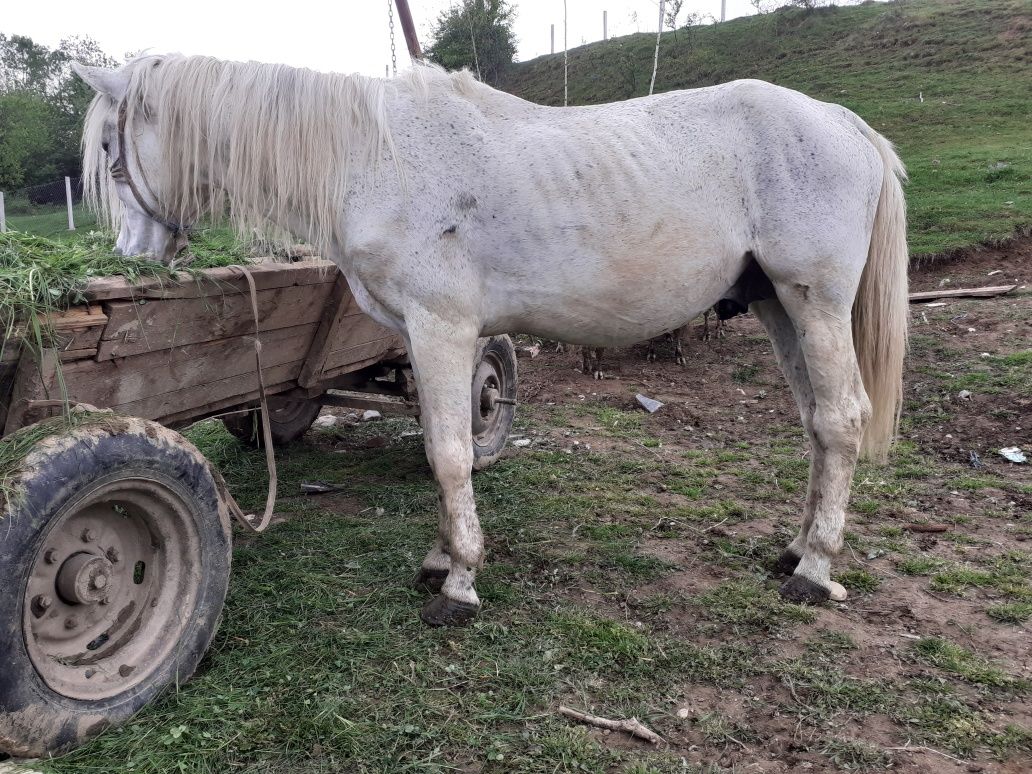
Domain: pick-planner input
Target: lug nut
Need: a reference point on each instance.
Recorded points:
(88, 536)
(43, 601)
(113, 555)
(99, 581)
(50, 556)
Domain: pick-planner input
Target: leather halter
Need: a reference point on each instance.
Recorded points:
(120, 171)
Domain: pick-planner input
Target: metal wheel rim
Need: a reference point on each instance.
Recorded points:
(92, 640)
(488, 417)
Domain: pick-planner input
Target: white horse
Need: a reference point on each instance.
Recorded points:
(457, 211)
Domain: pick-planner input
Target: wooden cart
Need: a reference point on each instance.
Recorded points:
(116, 537)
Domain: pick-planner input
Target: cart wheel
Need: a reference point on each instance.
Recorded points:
(493, 398)
(115, 559)
(290, 420)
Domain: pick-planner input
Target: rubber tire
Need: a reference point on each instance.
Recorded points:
(248, 427)
(35, 721)
(501, 347)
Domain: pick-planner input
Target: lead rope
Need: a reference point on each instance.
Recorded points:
(247, 520)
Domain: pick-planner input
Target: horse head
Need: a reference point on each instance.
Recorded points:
(123, 168)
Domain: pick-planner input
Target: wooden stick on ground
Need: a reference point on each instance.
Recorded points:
(634, 727)
(930, 295)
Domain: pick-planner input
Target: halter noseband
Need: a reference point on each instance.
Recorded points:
(120, 171)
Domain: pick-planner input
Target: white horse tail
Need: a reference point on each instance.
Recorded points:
(880, 310)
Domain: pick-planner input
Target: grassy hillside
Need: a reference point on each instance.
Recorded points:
(967, 145)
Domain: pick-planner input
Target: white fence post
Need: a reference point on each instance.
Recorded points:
(655, 60)
(68, 196)
(723, 10)
(3, 216)
(605, 26)
(566, 62)
(553, 38)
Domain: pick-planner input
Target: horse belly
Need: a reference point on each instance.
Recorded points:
(598, 301)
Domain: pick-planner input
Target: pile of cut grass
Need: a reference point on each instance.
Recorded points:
(40, 275)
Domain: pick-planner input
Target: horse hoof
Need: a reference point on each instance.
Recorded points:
(804, 591)
(442, 611)
(787, 562)
(599, 375)
(429, 581)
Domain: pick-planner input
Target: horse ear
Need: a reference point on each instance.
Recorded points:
(114, 83)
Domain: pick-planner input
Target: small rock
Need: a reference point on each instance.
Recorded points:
(521, 442)
(531, 352)
(683, 712)
(985, 356)
(325, 420)
(964, 394)
(370, 415)
(649, 404)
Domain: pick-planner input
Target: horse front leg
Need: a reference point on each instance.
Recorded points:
(442, 354)
(434, 570)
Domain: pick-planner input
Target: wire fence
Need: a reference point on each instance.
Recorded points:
(45, 209)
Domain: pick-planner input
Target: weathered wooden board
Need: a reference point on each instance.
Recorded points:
(988, 292)
(123, 381)
(136, 327)
(193, 402)
(342, 361)
(213, 282)
(345, 335)
(75, 332)
(35, 378)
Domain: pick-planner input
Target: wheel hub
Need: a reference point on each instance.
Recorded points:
(110, 589)
(85, 578)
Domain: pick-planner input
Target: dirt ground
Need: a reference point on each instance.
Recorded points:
(732, 393)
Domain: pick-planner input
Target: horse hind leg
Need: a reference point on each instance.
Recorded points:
(841, 410)
(789, 355)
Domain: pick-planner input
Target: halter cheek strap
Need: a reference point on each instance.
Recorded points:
(120, 171)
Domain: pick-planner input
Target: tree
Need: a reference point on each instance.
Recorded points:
(42, 107)
(673, 10)
(477, 34)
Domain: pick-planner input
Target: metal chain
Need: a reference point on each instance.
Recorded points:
(394, 55)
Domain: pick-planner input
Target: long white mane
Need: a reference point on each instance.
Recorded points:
(277, 143)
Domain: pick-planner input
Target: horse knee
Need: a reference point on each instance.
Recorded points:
(838, 430)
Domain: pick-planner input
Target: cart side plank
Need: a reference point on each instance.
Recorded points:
(113, 383)
(220, 399)
(212, 282)
(76, 330)
(341, 304)
(343, 327)
(136, 328)
(34, 379)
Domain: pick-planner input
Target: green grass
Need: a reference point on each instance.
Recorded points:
(40, 275)
(51, 222)
(321, 663)
(953, 658)
(967, 145)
